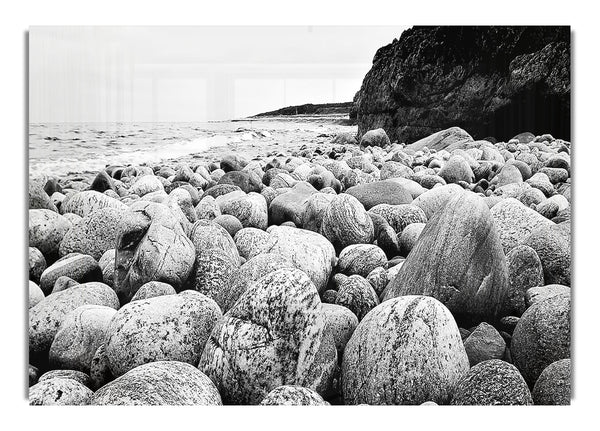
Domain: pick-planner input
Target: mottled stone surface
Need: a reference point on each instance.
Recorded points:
(94, 234)
(83, 203)
(79, 336)
(400, 216)
(79, 267)
(157, 384)
(46, 317)
(146, 184)
(492, 382)
(514, 222)
(152, 289)
(250, 210)
(380, 192)
(436, 198)
(484, 343)
(46, 230)
(308, 251)
(78, 376)
(542, 336)
(552, 243)
(208, 235)
(163, 328)
(378, 279)
(269, 338)
(458, 259)
(35, 294)
(341, 323)
(212, 273)
(290, 206)
(524, 272)
(250, 241)
(100, 373)
(357, 294)
(361, 259)
(405, 351)
(289, 395)
(151, 246)
(540, 293)
(314, 210)
(59, 392)
(553, 387)
(37, 264)
(346, 222)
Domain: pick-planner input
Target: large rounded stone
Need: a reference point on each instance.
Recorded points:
(269, 338)
(553, 387)
(59, 392)
(207, 208)
(159, 383)
(83, 203)
(94, 234)
(540, 293)
(357, 295)
(291, 205)
(314, 210)
(79, 267)
(484, 343)
(361, 259)
(289, 395)
(146, 184)
(375, 138)
(247, 181)
(153, 289)
(151, 246)
(458, 259)
(251, 241)
(46, 230)
(341, 323)
(250, 209)
(542, 336)
(346, 222)
(514, 222)
(163, 328)
(212, 274)
(380, 192)
(208, 235)
(35, 294)
(400, 216)
(407, 350)
(308, 251)
(79, 336)
(492, 382)
(524, 272)
(436, 198)
(47, 316)
(37, 264)
(457, 169)
(552, 243)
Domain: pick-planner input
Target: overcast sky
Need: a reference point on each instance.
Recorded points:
(122, 74)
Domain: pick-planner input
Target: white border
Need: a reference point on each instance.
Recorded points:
(18, 16)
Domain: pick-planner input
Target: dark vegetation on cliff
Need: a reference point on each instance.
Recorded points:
(490, 81)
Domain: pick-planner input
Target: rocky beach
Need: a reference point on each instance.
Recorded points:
(419, 257)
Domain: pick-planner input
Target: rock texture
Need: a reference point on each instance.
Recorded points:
(553, 387)
(491, 81)
(405, 351)
(59, 392)
(293, 396)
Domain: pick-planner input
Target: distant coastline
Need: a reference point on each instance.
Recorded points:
(338, 111)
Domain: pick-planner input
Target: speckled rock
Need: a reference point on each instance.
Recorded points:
(341, 322)
(163, 328)
(251, 209)
(34, 374)
(246, 181)
(357, 294)
(63, 283)
(553, 387)
(157, 384)
(542, 182)
(409, 236)
(47, 316)
(514, 222)
(484, 343)
(233, 162)
(269, 338)
(207, 208)
(107, 266)
(542, 336)
(290, 206)
(151, 246)
(492, 382)
(346, 222)
(146, 184)
(38, 198)
(524, 271)
(360, 259)
(153, 289)
(37, 264)
(540, 293)
(289, 395)
(79, 267)
(94, 234)
(100, 373)
(375, 138)
(228, 222)
(78, 376)
(212, 273)
(59, 392)
(405, 351)
(380, 192)
(552, 243)
(79, 336)
(308, 251)
(378, 279)
(400, 216)
(250, 272)
(472, 288)
(46, 230)
(314, 210)
(83, 203)
(436, 198)
(251, 241)
(457, 169)
(208, 235)
(35, 294)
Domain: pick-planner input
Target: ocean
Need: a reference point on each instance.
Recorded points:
(63, 149)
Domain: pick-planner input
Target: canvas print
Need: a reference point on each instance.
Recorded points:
(300, 215)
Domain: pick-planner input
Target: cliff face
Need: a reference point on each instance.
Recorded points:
(490, 81)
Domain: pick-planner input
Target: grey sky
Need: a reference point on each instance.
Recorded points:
(113, 74)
